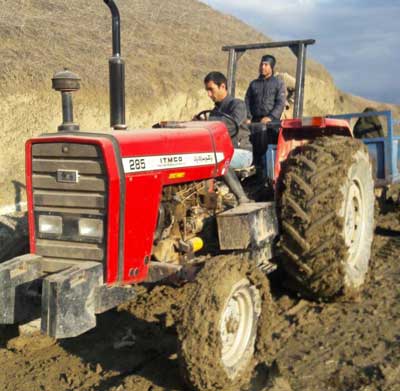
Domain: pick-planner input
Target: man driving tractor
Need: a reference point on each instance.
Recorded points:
(216, 84)
(232, 112)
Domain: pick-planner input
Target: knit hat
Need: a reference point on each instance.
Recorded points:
(271, 60)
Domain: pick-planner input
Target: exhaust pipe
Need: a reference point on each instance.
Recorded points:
(117, 72)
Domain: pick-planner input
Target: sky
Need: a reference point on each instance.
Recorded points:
(358, 41)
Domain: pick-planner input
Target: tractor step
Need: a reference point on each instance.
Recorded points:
(250, 225)
(66, 294)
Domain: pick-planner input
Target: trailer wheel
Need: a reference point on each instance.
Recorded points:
(327, 216)
(225, 325)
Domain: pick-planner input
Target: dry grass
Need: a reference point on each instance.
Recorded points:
(168, 47)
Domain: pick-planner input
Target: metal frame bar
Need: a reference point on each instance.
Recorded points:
(298, 48)
(300, 52)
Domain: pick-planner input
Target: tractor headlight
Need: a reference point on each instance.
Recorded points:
(92, 228)
(50, 225)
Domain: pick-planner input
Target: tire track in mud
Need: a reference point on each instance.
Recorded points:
(296, 314)
(306, 362)
(391, 248)
(331, 346)
(351, 345)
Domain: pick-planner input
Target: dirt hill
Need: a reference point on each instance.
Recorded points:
(168, 46)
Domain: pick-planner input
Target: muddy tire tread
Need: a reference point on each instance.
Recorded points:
(311, 243)
(198, 342)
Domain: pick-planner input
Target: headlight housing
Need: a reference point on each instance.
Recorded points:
(50, 225)
(92, 228)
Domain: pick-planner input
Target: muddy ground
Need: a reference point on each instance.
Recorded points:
(341, 346)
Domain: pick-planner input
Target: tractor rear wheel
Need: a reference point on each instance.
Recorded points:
(225, 324)
(327, 216)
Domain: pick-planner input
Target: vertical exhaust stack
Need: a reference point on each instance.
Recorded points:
(117, 73)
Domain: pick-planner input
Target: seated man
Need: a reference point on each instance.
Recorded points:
(216, 86)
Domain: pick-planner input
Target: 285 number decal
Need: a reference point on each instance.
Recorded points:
(137, 164)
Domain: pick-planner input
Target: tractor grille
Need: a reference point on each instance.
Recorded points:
(69, 181)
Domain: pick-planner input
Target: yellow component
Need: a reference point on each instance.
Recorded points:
(177, 175)
(196, 243)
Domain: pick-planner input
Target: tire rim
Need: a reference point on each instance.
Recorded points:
(354, 219)
(238, 326)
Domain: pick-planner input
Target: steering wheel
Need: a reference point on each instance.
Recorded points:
(205, 116)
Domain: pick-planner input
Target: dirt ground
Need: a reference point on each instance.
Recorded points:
(343, 346)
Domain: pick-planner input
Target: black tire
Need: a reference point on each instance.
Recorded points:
(327, 216)
(203, 362)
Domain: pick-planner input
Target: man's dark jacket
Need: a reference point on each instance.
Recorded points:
(235, 108)
(368, 127)
(265, 98)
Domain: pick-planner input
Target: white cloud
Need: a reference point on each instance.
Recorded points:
(269, 6)
(356, 39)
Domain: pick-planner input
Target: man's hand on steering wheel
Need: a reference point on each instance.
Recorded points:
(205, 116)
(202, 115)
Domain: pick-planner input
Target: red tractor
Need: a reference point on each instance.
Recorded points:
(108, 211)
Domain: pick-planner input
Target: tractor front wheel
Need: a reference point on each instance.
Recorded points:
(224, 325)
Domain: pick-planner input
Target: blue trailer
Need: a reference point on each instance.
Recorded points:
(384, 151)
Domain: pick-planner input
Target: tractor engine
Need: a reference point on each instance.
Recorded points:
(184, 213)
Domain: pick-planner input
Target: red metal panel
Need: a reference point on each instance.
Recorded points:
(190, 137)
(29, 195)
(222, 142)
(294, 133)
(286, 143)
(143, 194)
(113, 193)
(337, 126)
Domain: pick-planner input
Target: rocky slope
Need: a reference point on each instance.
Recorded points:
(168, 46)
